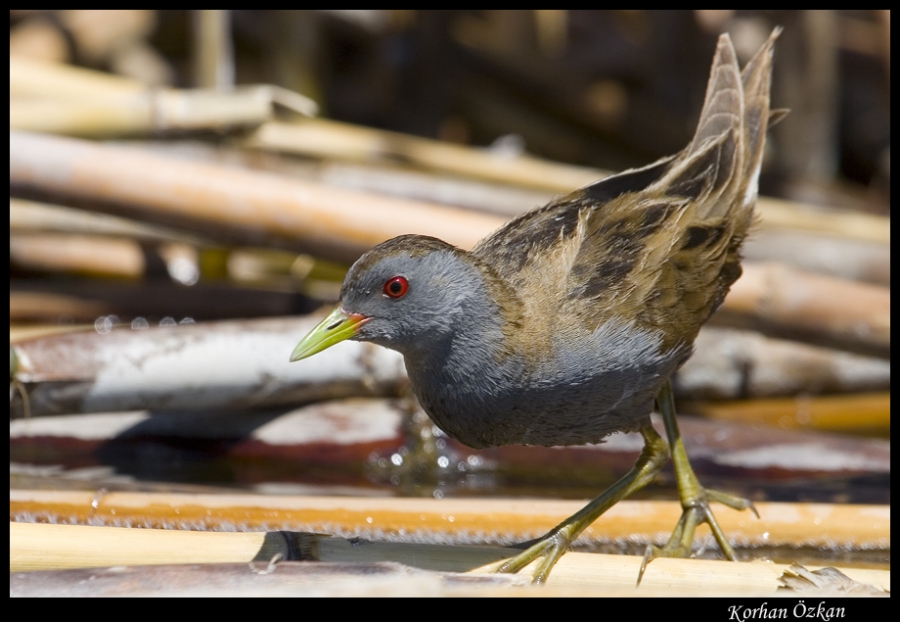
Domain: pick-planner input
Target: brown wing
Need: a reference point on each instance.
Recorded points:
(533, 256)
(659, 244)
(541, 231)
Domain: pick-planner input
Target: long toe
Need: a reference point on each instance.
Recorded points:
(696, 510)
(550, 548)
(732, 501)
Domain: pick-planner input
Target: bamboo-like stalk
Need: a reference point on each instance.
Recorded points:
(20, 332)
(98, 255)
(45, 547)
(870, 412)
(334, 140)
(169, 367)
(213, 51)
(323, 138)
(791, 215)
(31, 78)
(794, 235)
(284, 579)
(35, 217)
(49, 97)
(35, 546)
(111, 116)
(81, 254)
(729, 363)
(143, 113)
(842, 256)
(508, 199)
(505, 200)
(782, 301)
(331, 139)
(25, 306)
(392, 579)
(336, 224)
(463, 520)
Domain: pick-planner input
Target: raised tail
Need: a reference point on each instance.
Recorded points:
(714, 182)
(719, 169)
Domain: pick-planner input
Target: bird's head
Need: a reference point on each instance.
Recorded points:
(407, 293)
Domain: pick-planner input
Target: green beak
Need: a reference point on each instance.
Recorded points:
(337, 327)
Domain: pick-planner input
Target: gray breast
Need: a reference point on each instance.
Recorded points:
(585, 391)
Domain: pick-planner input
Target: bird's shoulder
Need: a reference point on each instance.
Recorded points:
(573, 263)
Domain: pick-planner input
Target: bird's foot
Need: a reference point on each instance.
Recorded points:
(695, 498)
(551, 548)
(554, 545)
(696, 510)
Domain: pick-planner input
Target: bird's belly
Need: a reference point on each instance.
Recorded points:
(573, 395)
(552, 414)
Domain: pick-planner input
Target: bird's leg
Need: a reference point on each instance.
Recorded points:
(553, 545)
(694, 498)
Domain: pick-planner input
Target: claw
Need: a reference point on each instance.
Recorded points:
(736, 503)
(694, 498)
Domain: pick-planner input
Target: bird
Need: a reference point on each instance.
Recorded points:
(566, 324)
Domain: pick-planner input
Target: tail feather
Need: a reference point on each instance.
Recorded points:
(756, 80)
(723, 105)
(706, 171)
(714, 180)
(719, 169)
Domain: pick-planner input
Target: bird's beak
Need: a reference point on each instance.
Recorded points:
(337, 327)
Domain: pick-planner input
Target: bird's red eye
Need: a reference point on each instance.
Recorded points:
(396, 287)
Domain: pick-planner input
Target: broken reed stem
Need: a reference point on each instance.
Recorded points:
(781, 524)
(782, 301)
(46, 547)
(330, 139)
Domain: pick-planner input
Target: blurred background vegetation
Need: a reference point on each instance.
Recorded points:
(608, 89)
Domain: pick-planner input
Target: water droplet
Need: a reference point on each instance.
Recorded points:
(139, 323)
